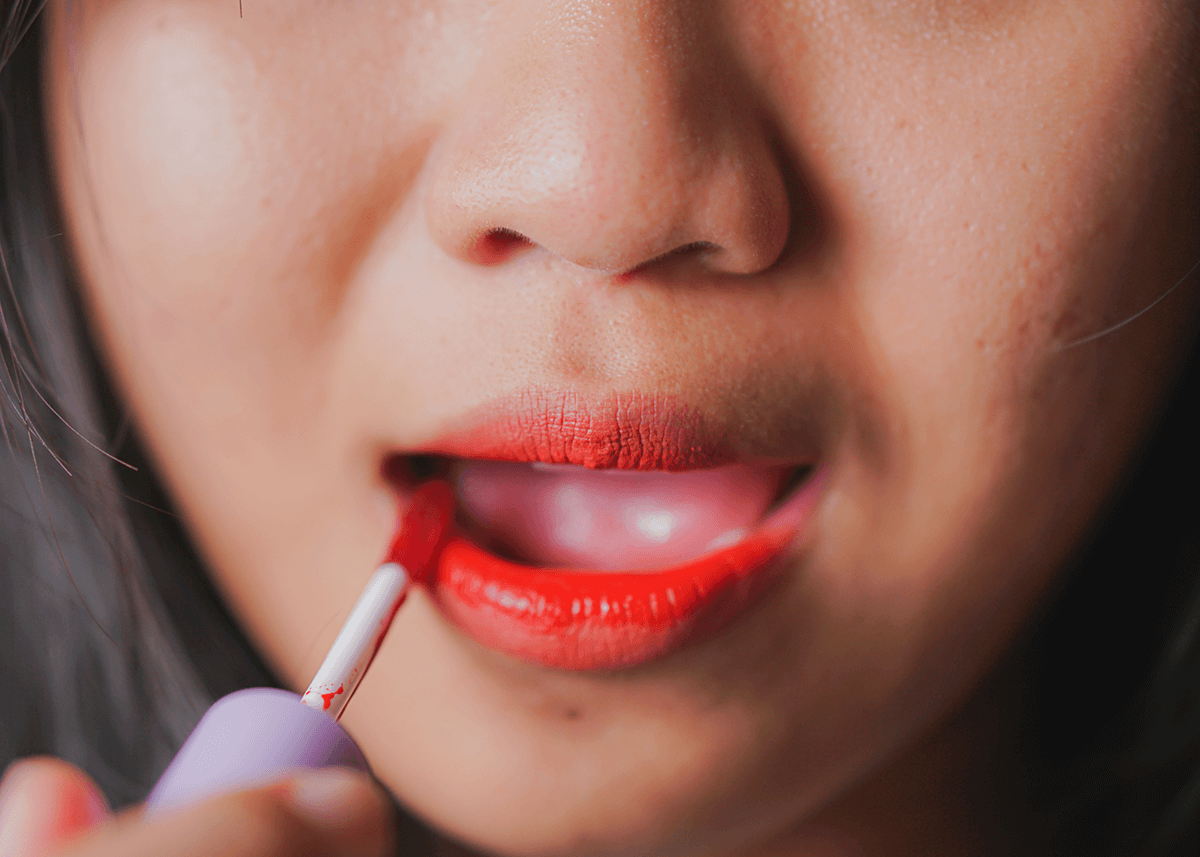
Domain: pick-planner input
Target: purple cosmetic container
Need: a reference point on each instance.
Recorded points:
(249, 738)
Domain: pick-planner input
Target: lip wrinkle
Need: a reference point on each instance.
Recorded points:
(627, 431)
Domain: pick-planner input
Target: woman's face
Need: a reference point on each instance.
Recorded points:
(854, 236)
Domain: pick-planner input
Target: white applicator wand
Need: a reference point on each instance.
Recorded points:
(261, 734)
(358, 641)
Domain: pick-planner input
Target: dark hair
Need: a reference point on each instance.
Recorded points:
(1110, 736)
(112, 641)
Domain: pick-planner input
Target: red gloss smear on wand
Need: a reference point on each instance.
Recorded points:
(327, 698)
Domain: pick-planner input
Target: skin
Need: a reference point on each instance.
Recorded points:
(909, 212)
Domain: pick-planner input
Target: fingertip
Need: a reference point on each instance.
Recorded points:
(346, 806)
(45, 803)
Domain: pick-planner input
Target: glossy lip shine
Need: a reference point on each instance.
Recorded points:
(580, 619)
(591, 620)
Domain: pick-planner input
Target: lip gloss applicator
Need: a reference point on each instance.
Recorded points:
(254, 736)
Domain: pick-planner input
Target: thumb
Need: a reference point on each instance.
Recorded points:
(45, 803)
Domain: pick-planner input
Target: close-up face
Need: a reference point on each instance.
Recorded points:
(771, 309)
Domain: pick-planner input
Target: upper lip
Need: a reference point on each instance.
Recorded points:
(625, 430)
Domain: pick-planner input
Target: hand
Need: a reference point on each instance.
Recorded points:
(48, 807)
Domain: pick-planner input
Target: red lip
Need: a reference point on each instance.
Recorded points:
(589, 620)
(580, 619)
(630, 431)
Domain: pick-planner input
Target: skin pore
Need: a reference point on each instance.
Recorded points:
(313, 236)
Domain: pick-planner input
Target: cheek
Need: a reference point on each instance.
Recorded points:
(231, 183)
(170, 136)
(1037, 211)
(174, 215)
(994, 210)
(222, 188)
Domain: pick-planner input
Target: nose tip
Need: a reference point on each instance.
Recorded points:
(620, 148)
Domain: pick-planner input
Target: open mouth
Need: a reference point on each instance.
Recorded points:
(606, 568)
(565, 516)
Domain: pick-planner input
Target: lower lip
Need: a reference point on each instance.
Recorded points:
(575, 619)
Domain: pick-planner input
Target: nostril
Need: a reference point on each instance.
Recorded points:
(498, 245)
(694, 249)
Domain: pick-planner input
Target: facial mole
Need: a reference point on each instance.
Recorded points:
(572, 713)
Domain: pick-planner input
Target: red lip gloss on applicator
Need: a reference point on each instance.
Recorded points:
(258, 735)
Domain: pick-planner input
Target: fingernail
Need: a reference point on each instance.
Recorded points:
(330, 797)
(17, 811)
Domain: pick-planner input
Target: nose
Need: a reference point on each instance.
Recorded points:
(612, 135)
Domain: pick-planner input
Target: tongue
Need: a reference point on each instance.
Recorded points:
(616, 520)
